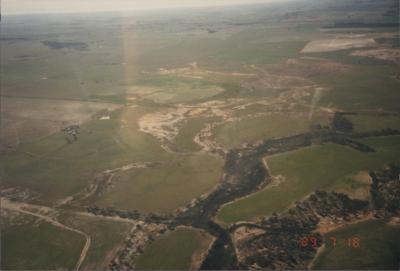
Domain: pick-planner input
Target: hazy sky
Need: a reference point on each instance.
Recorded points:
(64, 6)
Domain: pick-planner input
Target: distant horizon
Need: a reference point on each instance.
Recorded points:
(26, 7)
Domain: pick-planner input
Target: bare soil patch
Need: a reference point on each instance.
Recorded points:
(387, 54)
(245, 232)
(193, 71)
(327, 225)
(338, 43)
(363, 177)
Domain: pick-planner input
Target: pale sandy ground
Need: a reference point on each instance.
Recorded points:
(338, 43)
(389, 54)
(193, 71)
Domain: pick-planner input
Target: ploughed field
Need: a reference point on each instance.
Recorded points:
(144, 140)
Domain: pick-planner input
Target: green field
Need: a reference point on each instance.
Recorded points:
(365, 123)
(51, 73)
(138, 145)
(173, 182)
(184, 139)
(103, 145)
(247, 130)
(221, 48)
(35, 165)
(174, 250)
(183, 93)
(355, 185)
(165, 187)
(105, 236)
(262, 51)
(39, 247)
(372, 87)
(379, 248)
(308, 169)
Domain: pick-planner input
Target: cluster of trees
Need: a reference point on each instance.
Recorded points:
(341, 123)
(383, 132)
(335, 205)
(134, 215)
(140, 236)
(71, 133)
(352, 144)
(280, 246)
(385, 191)
(67, 45)
(110, 211)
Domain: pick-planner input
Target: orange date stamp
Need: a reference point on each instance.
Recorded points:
(309, 241)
